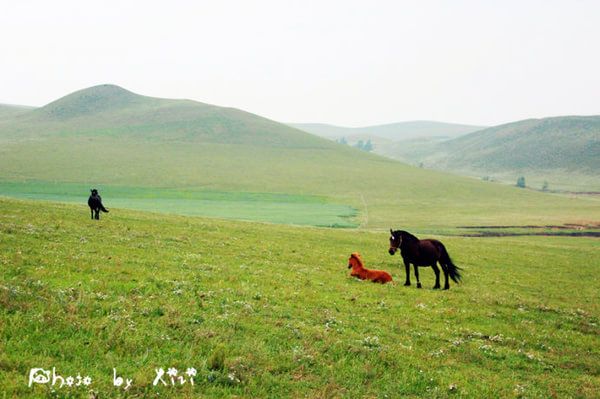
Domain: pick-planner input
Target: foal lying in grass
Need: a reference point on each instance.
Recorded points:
(358, 270)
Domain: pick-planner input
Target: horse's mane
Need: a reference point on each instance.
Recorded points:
(406, 235)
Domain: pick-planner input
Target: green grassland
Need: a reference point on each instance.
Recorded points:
(266, 207)
(264, 310)
(384, 191)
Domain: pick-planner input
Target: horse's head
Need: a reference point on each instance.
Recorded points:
(395, 241)
(354, 261)
(94, 191)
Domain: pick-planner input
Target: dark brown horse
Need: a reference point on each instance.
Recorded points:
(423, 253)
(95, 204)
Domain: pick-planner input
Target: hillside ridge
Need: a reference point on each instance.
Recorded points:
(112, 110)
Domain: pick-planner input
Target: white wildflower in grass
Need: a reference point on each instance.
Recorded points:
(421, 305)
(371, 342)
(519, 390)
(407, 347)
(497, 338)
(486, 348)
(178, 291)
(475, 334)
(331, 322)
(38, 284)
(100, 296)
(457, 342)
(131, 324)
(437, 353)
(299, 355)
(232, 377)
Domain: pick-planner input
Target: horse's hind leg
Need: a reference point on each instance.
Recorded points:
(445, 269)
(97, 214)
(417, 276)
(92, 213)
(436, 270)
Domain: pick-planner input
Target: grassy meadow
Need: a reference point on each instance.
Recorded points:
(263, 310)
(385, 192)
(266, 207)
(263, 305)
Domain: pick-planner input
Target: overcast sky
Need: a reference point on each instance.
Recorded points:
(351, 63)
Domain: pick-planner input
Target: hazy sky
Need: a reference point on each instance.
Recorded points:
(344, 62)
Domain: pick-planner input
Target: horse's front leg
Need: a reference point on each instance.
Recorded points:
(92, 213)
(417, 275)
(407, 268)
(97, 216)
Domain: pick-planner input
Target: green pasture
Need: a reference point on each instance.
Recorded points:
(264, 310)
(383, 191)
(267, 207)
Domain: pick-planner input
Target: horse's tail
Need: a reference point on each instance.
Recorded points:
(102, 208)
(453, 270)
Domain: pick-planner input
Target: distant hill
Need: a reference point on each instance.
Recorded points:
(562, 152)
(164, 151)
(392, 131)
(549, 146)
(10, 110)
(109, 110)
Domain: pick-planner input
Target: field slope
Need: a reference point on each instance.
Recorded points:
(270, 311)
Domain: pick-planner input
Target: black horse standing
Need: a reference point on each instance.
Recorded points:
(423, 253)
(95, 204)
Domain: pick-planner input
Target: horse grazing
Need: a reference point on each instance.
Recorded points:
(95, 204)
(423, 253)
(358, 270)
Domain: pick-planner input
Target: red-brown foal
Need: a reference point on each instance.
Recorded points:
(358, 270)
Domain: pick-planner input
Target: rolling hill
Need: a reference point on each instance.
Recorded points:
(186, 157)
(111, 111)
(562, 152)
(10, 110)
(566, 148)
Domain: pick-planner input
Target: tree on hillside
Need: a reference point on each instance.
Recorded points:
(361, 145)
(342, 140)
(545, 186)
(521, 182)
